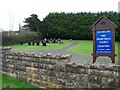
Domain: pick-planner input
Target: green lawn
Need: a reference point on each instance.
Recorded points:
(50, 46)
(0, 81)
(86, 47)
(14, 83)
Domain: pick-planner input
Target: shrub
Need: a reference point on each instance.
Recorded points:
(10, 38)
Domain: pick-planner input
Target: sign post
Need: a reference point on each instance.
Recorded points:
(103, 39)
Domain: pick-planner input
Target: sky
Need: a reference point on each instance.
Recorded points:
(13, 12)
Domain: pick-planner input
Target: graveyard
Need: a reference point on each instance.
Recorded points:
(90, 60)
(49, 46)
(84, 47)
(24, 51)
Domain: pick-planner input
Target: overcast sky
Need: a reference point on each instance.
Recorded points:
(13, 12)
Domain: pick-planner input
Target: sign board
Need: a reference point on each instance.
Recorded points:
(103, 39)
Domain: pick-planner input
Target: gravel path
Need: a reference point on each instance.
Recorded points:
(78, 58)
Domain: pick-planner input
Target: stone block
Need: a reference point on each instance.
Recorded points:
(91, 85)
(95, 79)
(106, 73)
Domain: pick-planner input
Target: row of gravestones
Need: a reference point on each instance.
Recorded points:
(53, 40)
(37, 43)
(43, 42)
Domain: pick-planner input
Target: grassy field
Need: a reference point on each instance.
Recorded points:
(14, 83)
(50, 46)
(86, 47)
(0, 81)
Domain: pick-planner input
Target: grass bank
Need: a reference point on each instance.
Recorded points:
(15, 83)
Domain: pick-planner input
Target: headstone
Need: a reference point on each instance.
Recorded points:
(54, 40)
(41, 41)
(61, 41)
(103, 39)
(37, 43)
(21, 43)
(29, 43)
(33, 42)
(45, 39)
(50, 40)
(44, 43)
(70, 40)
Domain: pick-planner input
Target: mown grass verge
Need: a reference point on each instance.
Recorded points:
(12, 82)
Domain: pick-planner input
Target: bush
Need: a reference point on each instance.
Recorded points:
(10, 38)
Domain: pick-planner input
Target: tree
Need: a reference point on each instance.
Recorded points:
(76, 25)
(69, 25)
(33, 23)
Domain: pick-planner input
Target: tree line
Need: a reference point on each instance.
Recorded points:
(69, 25)
(59, 25)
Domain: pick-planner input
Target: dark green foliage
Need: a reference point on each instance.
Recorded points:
(76, 25)
(13, 38)
(70, 25)
(33, 22)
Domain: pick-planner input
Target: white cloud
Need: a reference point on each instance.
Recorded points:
(21, 9)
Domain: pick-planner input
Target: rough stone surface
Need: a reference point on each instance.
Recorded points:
(57, 71)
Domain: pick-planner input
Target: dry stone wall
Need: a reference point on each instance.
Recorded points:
(57, 71)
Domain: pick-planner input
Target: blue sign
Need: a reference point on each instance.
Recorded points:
(104, 41)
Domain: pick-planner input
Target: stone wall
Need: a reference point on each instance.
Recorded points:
(57, 71)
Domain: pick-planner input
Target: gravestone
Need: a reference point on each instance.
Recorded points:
(37, 43)
(54, 40)
(44, 43)
(41, 41)
(33, 42)
(104, 38)
(70, 40)
(29, 43)
(61, 41)
(21, 43)
(50, 40)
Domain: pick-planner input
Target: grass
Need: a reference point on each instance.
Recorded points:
(0, 81)
(86, 47)
(14, 83)
(50, 46)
